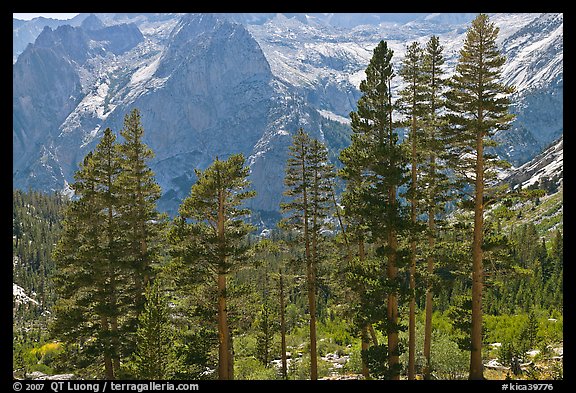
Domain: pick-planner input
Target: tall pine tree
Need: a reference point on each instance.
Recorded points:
(90, 257)
(478, 107)
(434, 182)
(212, 233)
(376, 154)
(355, 233)
(106, 251)
(140, 219)
(308, 184)
(412, 103)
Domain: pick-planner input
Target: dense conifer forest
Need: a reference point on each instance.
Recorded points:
(401, 256)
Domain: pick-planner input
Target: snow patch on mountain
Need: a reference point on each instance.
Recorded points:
(143, 79)
(145, 73)
(548, 166)
(332, 116)
(95, 105)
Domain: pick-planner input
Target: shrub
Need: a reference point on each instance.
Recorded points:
(448, 361)
(300, 368)
(250, 368)
(47, 352)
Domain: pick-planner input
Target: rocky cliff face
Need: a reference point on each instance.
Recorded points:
(46, 88)
(217, 98)
(49, 84)
(208, 93)
(546, 170)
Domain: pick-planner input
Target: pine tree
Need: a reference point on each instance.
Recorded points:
(212, 233)
(90, 257)
(271, 275)
(309, 185)
(412, 103)
(557, 249)
(434, 182)
(103, 254)
(155, 356)
(78, 279)
(376, 154)
(478, 107)
(531, 329)
(107, 170)
(266, 322)
(556, 256)
(140, 218)
(265, 335)
(355, 233)
(282, 324)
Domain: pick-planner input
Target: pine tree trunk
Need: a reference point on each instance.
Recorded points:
(140, 281)
(392, 269)
(224, 355)
(429, 299)
(430, 271)
(312, 307)
(371, 330)
(412, 310)
(412, 317)
(223, 333)
(309, 278)
(312, 289)
(108, 367)
(476, 371)
(283, 330)
(365, 340)
(392, 304)
(115, 345)
(365, 344)
(142, 235)
(373, 336)
(114, 340)
(392, 308)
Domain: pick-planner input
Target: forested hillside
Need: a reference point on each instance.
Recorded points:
(535, 292)
(410, 259)
(522, 314)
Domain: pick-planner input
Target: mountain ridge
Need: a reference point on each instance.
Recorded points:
(210, 86)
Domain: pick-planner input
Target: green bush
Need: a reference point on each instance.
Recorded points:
(517, 328)
(298, 340)
(501, 328)
(300, 368)
(336, 331)
(250, 368)
(294, 317)
(448, 361)
(327, 345)
(354, 364)
(47, 350)
(245, 345)
(42, 368)
(552, 331)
